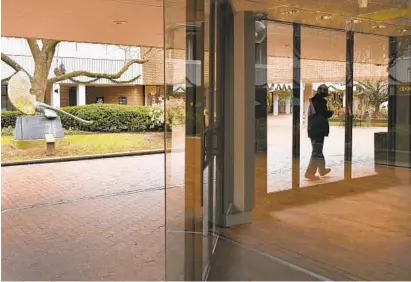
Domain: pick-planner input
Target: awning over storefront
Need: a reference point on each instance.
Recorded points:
(280, 87)
(179, 88)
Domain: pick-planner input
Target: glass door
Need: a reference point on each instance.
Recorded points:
(190, 140)
(210, 138)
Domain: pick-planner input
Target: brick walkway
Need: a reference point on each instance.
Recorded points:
(87, 220)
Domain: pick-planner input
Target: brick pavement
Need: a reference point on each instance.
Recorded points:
(115, 238)
(86, 220)
(44, 183)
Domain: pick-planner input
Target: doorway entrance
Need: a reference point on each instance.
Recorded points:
(72, 96)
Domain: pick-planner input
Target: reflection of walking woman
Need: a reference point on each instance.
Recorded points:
(318, 129)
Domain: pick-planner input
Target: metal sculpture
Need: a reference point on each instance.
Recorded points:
(19, 94)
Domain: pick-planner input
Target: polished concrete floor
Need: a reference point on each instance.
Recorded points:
(347, 230)
(237, 262)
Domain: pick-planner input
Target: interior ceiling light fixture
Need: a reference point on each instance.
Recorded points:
(119, 22)
(380, 26)
(363, 3)
(290, 12)
(355, 21)
(325, 17)
(403, 30)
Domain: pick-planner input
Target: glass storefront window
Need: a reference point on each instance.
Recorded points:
(330, 226)
(370, 102)
(323, 54)
(279, 106)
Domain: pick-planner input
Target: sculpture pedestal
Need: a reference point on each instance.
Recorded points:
(36, 127)
(30, 132)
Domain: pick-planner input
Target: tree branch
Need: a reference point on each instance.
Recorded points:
(96, 75)
(34, 48)
(49, 45)
(151, 52)
(145, 54)
(13, 64)
(8, 78)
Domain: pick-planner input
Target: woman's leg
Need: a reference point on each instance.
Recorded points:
(320, 155)
(313, 165)
(321, 160)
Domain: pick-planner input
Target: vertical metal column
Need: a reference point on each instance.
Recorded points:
(349, 90)
(392, 100)
(224, 106)
(261, 96)
(210, 150)
(194, 141)
(296, 105)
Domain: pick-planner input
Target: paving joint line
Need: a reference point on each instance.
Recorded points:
(85, 198)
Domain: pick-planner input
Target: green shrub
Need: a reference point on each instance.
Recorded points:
(105, 117)
(8, 118)
(7, 131)
(114, 118)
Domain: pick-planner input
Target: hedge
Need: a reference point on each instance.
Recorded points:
(105, 117)
(8, 118)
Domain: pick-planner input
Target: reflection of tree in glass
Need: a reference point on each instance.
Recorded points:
(175, 110)
(269, 102)
(374, 93)
(403, 51)
(43, 52)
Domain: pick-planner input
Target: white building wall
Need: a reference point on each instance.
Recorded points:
(18, 46)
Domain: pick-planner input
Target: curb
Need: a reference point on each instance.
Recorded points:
(82, 158)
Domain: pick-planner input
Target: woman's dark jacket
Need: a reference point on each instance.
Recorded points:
(318, 126)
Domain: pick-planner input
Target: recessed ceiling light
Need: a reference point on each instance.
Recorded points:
(355, 21)
(324, 17)
(379, 26)
(290, 12)
(403, 30)
(119, 22)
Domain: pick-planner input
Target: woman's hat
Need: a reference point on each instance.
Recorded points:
(322, 90)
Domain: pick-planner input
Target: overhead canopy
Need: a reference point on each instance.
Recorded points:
(125, 22)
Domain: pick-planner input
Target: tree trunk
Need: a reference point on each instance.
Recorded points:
(41, 73)
(376, 110)
(39, 87)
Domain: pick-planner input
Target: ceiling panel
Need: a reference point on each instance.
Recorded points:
(382, 17)
(327, 45)
(93, 20)
(85, 21)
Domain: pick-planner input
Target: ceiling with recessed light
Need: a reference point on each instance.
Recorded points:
(383, 17)
(125, 22)
(140, 22)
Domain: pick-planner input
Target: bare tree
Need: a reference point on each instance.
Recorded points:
(129, 52)
(374, 93)
(403, 50)
(43, 57)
